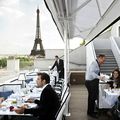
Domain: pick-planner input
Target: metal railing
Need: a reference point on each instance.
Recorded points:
(115, 49)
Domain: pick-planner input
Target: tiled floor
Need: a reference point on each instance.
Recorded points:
(78, 105)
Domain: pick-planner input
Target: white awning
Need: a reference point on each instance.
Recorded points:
(86, 18)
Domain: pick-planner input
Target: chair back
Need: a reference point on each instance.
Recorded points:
(60, 111)
(5, 94)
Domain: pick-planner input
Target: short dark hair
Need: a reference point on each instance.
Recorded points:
(44, 76)
(101, 55)
(56, 56)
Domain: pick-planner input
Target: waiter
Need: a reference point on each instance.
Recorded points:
(92, 83)
(59, 63)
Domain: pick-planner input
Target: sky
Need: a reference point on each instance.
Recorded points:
(18, 27)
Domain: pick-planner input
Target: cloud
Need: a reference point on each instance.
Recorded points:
(10, 8)
(9, 2)
(11, 12)
(18, 23)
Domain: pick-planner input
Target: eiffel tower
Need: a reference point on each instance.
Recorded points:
(38, 42)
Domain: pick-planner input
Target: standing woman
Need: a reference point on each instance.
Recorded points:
(92, 83)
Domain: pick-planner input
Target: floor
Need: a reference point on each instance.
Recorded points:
(78, 105)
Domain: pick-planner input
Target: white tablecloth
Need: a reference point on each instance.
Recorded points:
(111, 96)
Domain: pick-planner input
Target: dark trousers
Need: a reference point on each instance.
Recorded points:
(93, 91)
(61, 74)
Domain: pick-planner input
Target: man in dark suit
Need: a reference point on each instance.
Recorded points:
(59, 63)
(48, 104)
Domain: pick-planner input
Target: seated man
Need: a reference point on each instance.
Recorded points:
(48, 104)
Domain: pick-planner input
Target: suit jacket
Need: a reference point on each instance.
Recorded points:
(60, 67)
(47, 106)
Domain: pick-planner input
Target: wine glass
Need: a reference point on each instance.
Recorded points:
(114, 85)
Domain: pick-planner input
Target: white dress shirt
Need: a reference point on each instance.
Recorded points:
(93, 71)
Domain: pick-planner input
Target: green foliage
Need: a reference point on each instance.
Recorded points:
(82, 42)
(3, 62)
(11, 57)
(25, 62)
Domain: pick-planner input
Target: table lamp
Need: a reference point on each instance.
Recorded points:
(22, 77)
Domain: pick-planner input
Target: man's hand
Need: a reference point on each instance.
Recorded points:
(19, 110)
(102, 77)
(30, 100)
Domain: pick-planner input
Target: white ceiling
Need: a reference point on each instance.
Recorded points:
(85, 18)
